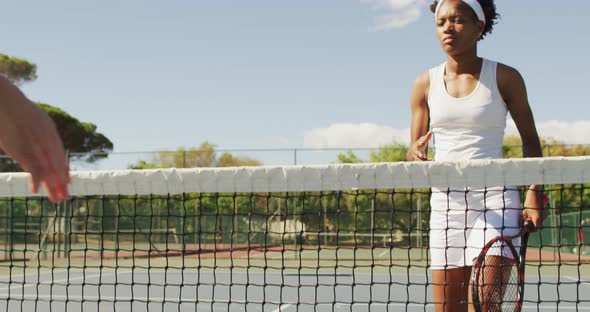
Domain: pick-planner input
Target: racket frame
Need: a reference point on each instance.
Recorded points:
(519, 262)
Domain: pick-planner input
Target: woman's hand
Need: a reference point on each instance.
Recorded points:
(417, 150)
(29, 136)
(534, 203)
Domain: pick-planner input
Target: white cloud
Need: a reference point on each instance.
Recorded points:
(369, 135)
(575, 132)
(349, 135)
(394, 14)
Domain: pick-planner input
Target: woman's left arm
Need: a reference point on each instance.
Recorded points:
(513, 90)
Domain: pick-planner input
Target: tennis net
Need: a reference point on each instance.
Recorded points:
(296, 238)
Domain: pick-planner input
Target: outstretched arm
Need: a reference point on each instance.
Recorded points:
(28, 135)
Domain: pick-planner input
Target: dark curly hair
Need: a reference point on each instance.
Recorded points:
(489, 9)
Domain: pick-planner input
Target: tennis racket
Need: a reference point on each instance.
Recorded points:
(498, 280)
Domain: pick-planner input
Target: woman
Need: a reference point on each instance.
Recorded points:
(464, 102)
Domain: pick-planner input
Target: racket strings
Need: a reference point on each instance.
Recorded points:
(498, 284)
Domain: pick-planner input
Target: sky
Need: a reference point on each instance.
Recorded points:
(277, 74)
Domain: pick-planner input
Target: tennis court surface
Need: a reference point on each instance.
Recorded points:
(297, 238)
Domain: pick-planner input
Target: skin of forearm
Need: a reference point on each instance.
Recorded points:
(533, 150)
(10, 99)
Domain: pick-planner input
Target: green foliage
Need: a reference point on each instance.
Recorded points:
(142, 164)
(79, 137)
(512, 148)
(17, 70)
(349, 158)
(389, 153)
(203, 156)
(228, 160)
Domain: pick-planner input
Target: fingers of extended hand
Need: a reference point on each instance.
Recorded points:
(55, 175)
(53, 179)
(417, 154)
(59, 171)
(421, 156)
(44, 158)
(423, 140)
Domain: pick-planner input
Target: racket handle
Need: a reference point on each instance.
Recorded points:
(529, 226)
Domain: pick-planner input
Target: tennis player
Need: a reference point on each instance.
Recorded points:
(28, 135)
(461, 105)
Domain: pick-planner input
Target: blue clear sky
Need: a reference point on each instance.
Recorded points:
(274, 74)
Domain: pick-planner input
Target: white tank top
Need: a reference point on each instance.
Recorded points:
(471, 127)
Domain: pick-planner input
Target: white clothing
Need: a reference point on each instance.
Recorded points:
(471, 127)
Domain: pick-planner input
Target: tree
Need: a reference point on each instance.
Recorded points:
(349, 158)
(80, 138)
(202, 156)
(512, 148)
(387, 153)
(17, 70)
(228, 160)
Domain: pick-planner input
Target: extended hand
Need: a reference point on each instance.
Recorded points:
(28, 135)
(418, 149)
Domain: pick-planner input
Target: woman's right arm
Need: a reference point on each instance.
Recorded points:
(420, 135)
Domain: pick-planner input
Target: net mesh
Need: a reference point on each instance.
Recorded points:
(298, 238)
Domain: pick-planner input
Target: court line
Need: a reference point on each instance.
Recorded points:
(24, 284)
(576, 279)
(283, 307)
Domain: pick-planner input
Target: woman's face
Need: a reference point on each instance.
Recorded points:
(457, 27)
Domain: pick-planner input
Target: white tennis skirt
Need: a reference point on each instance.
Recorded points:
(463, 221)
